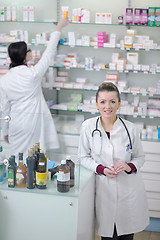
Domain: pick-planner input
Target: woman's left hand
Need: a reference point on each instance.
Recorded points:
(121, 166)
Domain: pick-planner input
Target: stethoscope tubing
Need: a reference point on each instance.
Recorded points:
(100, 133)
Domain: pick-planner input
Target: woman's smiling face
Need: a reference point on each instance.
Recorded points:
(108, 104)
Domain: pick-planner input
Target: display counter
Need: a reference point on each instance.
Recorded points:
(49, 214)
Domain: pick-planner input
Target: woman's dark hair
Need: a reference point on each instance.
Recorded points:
(17, 52)
(109, 87)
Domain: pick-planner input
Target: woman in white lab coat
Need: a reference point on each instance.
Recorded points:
(22, 98)
(116, 156)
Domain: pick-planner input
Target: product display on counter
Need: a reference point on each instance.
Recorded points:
(20, 172)
(30, 170)
(12, 172)
(63, 177)
(71, 165)
(41, 172)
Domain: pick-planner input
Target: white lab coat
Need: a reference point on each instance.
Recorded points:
(121, 200)
(22, 98)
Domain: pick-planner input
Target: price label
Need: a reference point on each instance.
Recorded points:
(145, 72)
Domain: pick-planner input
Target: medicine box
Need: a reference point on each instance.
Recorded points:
(129, 16)
(144, 17)
(151, 16)
(137, 16)
(157, 16)
(132, 58)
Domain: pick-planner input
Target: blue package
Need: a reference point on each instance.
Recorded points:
(51, 164)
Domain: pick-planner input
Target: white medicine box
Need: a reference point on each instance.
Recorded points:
(132, 58)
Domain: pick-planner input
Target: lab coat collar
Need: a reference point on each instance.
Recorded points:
(116, 125)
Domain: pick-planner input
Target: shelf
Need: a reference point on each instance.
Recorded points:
(106, 69)
(76, 134)
(54, 22)
(114, 24)
(127, 49)
(81, 23)
(69, 134)
(95, 90)
(97, 112)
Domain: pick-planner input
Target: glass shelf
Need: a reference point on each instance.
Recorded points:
(144, 140)
(95, 90)
(106, 69)
(91, 23)
(69, 134)
(94, 112)
(20, 21)
(113, 24)
(127, 49)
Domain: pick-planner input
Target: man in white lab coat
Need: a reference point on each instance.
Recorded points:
(111, 147)
(22, 98)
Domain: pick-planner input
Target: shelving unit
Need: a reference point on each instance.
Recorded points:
(69, 141)
(135, 78)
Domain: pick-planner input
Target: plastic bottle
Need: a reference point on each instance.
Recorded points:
(12, 172)
(63, 177)
(71, 165)
(41, 173)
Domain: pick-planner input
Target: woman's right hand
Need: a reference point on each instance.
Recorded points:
(110, 173)
(62, 23)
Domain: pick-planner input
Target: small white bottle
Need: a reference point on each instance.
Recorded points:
(25, 14)
(31, 14)
(14, 13)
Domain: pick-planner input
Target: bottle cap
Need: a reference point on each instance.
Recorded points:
(68, 157)
(20, 155)
(30, 152)
(63, 161)
(13, 157)
(38, 144)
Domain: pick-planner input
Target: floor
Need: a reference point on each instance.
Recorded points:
(144, 236)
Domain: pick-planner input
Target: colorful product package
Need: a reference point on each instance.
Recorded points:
(137, 16)
(157, 16)
(129, 16)
(144, 17)
(151, 16)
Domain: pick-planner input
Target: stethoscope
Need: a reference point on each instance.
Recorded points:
(98, 133)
